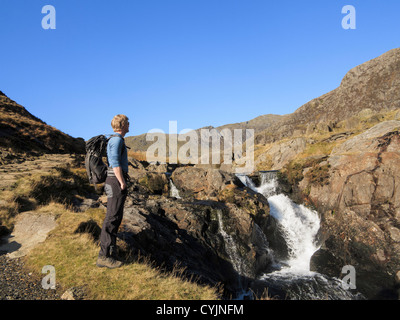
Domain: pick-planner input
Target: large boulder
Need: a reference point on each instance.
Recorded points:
(202, 183)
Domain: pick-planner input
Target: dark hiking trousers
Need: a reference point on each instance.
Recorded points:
(115, 206)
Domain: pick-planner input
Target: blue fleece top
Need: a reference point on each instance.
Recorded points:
(116, 156)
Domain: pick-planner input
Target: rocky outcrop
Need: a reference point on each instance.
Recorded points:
(218, 241)
(360, 205)
(30, 230)
(202, 183)
(280, 154)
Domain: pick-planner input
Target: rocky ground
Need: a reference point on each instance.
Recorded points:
(16, 283)
(17, 168)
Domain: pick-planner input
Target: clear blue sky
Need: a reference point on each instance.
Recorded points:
(200, 62)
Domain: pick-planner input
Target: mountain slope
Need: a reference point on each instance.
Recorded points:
(20, 131)
(373, 86)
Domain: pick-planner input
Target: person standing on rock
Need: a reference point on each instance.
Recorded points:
(116, 190)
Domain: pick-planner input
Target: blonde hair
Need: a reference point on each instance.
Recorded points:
(119, 121)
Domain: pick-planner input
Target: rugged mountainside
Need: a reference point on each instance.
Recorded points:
(22, 132)
(372, 86)
(340, 154)
(359, 201)
(369, 94)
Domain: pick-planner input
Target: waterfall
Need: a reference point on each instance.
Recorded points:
(298, 224)
(235, 259)
(268, 183)
(230, 246)
(298, 227)
(174, 192)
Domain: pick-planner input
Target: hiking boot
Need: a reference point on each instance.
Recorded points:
(113, 253)
(108, 262)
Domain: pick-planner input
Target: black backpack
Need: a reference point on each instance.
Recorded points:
(96, 169)
(96, 148)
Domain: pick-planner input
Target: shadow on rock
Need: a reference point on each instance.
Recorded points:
(188, 234)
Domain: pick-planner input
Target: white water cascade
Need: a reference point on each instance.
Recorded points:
(298, 226)
(174, 192)
(230, 246)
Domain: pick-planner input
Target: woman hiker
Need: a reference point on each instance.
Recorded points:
(116, 191)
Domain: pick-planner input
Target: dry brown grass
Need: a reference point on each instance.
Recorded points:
(138, 155)
(74, 257)
(9, 208)
(74, 254)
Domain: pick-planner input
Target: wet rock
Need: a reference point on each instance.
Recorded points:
(324, 262)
